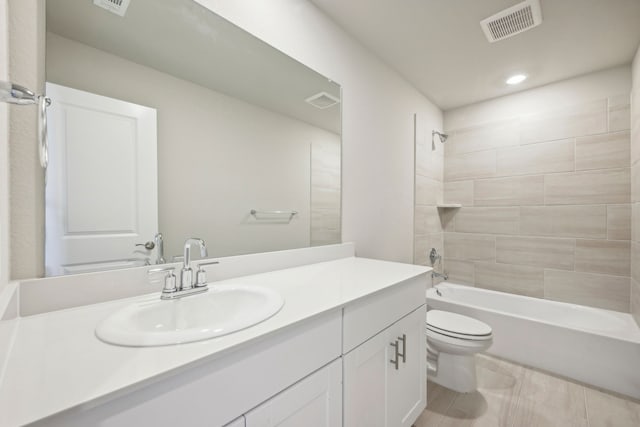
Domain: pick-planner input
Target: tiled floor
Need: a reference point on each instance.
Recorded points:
(515, 396)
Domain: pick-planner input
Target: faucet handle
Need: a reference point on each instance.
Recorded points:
(201, 275)
(434, 256)
(169, 280)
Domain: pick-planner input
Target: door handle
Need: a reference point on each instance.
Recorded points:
(403, 338)
(395, 362)
(148, 245)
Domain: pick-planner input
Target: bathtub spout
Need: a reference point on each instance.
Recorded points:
(435, 275)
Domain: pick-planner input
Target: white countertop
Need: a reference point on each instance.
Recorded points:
(56, 362)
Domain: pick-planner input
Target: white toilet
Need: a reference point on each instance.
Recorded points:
(452, 342)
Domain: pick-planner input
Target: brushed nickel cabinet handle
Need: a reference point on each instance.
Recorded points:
(403, 338)
(395, 362)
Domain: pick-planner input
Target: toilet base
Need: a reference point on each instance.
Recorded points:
(455, 372)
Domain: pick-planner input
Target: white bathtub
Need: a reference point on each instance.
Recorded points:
(592, 345)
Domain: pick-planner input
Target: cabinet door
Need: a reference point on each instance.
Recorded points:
(238, 422)
(407, 385)
(376, 394)
(315, 401)
(365, 382)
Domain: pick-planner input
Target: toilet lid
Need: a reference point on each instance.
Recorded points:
(453, 323)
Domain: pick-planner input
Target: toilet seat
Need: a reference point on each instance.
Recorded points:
(454, 325)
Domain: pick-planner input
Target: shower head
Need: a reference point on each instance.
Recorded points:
(443, 136)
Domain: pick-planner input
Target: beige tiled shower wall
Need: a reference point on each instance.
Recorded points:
(325, 191)
(635, 189)
(546, 203)
(428, 223)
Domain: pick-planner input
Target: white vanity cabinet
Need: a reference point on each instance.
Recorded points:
(238, 422)
(216, 393)
(359, 362)
(385, 377)
(406, 398)
(316, 401)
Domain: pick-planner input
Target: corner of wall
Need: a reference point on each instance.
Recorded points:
(26, 52)
(635, 187)
(4, 153)
(378, 197)
(429, 220)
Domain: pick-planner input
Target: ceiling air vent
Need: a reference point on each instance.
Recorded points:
(322, 100)
(119, 7)
(512, 21)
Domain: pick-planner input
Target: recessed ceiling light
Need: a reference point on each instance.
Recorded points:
(518, 78)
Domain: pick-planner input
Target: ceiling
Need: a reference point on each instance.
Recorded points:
(439, 47)
(188, 41)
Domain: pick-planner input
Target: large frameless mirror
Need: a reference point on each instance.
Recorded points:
(167, 119)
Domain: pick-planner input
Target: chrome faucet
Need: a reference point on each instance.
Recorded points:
(435, 275)
(186, 275)
(187, 285)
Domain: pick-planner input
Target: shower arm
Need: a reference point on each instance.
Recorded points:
(442, 136)
(19, 95)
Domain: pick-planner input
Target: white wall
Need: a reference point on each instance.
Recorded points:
(218, 157)
(4, 153)
(378, 109)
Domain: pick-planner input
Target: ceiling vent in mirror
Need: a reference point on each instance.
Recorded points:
(512, 21)
(322, 100)
(119, 7)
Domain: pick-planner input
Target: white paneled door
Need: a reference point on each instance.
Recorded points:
(102, 182)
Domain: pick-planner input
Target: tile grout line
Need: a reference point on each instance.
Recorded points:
(608, 114)
(446, 411)
(586, 405)
(575, 154)
(520, 386)
(539, 173)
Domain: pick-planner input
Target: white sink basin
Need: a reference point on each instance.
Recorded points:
(221, 310)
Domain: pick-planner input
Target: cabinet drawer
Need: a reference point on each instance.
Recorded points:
(370, 315)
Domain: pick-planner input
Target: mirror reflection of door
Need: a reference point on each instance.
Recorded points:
(102, 186)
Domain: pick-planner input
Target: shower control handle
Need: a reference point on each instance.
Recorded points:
(403, 338)
(397, 360)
